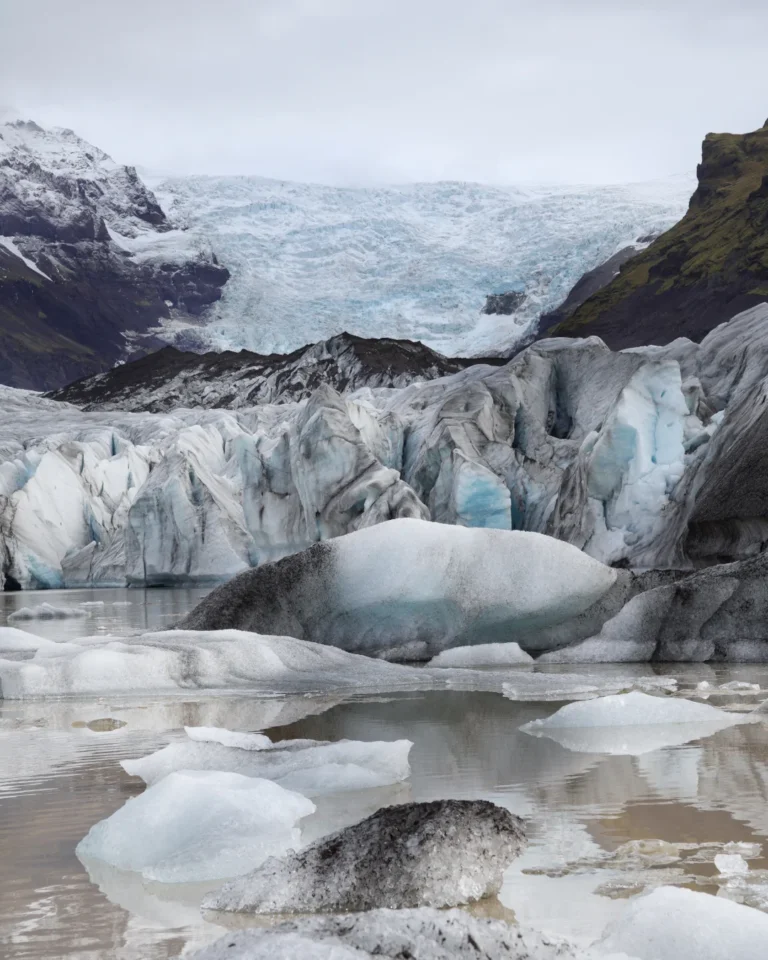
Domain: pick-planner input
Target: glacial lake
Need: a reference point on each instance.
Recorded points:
(602, 826)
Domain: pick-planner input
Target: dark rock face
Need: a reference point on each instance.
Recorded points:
(70, 291)
(717, 614)
(706, 269)
(437, 854)
(504, 303)
(172, 378)
(423, 934)
(587, 285)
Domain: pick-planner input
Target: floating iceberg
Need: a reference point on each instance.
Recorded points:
(308, 766)
(542, 686)
(437, 854)
(483, 655)
(631, 723)
(198, 825)
(46, 611)
(671, 923)
(408, 589)
(176, 661)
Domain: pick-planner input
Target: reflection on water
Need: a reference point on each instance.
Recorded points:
(117, 611)
(60, 774)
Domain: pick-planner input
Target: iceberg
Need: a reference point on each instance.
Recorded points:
(46, 611)
(198, 825)
(437, 854)
(177, 661)
(307, 766)
(408, 589)
(631, 724)
(670, 923)
(483, 655)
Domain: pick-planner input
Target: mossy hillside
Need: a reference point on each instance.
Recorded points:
(716, 256)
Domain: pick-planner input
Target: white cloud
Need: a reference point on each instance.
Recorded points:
(356, 91)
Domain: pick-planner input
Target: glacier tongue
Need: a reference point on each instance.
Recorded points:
(415, 261)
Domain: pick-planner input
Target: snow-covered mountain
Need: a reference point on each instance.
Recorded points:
(414, 262)
(89, 263)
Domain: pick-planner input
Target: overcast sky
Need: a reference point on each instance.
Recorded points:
(362, 91)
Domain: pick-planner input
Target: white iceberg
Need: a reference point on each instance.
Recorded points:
(46, 611)
(573, 686)
(198, 825)
(631, 724)
(483, 655)
(310, 767)
(672, 923)
(176, 661)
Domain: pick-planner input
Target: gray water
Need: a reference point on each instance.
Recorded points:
(59, 774)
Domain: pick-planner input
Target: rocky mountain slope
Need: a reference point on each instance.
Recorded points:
(708, 267)
(170, 378)
(465, 268)
(89, 263)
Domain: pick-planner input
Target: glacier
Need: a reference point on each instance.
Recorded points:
(414, 261)
(647, 460)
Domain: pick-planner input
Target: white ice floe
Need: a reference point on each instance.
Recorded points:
(483, 655)
(46, 611)
(672, 924)
(177, 661)
(631, 723)
(198, 825)
(311, 767)
(731, 863)
(573, 686)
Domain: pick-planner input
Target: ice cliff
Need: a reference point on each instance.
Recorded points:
(648, 458)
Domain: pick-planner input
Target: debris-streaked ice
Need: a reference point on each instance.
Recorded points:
(198, 825)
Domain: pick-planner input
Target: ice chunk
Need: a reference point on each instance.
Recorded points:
(483, 655)
(630, 709)
(46, 611)
(311, 767)
(198, 825)
(229, 738)
(422, 934)
(632, 724)
(411, 584)
(176, 661)
(732, 863)
(436, 854)
(575, 686)
(671, 923)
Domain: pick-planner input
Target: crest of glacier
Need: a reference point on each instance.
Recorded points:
(414, 261)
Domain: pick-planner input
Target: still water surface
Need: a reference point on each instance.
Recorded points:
(59, 774)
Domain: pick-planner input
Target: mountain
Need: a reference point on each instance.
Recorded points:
(90, 265)
(462, 267)
(170, 379)
(708, 267)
